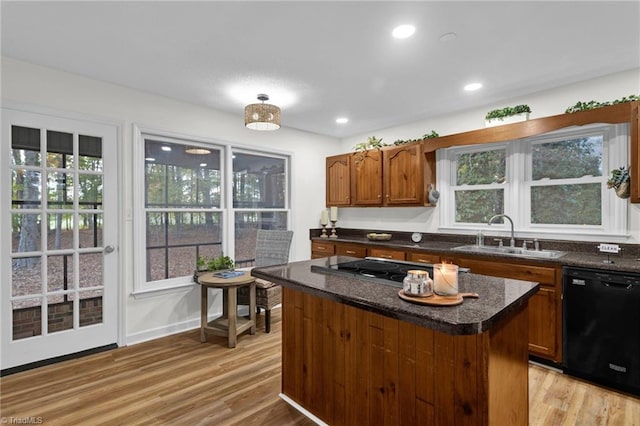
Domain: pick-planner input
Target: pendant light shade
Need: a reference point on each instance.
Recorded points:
(262, 116)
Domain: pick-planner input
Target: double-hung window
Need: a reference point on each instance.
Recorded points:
(554, 184)
(198, 198)
(182, 206)
(260, 199)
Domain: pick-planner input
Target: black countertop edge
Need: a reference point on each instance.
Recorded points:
(625, 262)
(473, 316)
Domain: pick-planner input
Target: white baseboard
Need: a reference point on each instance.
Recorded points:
(167, 330)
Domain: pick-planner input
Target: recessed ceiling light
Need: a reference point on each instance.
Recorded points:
(472, 86)
(166, 148)
(448, 37)
(403, 31)
(203, 164)
(150, 159)
(342, 120)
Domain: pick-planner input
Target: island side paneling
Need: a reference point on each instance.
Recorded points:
(350, 366)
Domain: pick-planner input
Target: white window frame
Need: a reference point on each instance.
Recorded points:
(517, 188)
(143, 288)
(287, 196)
(140, 284)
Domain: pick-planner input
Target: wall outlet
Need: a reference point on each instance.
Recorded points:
(609, 248)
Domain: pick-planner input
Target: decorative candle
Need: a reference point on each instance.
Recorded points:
(334, 214)
(324, 219)
(445, 279)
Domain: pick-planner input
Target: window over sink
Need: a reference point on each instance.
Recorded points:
(552, 185)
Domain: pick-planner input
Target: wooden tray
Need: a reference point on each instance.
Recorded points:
(436, 300)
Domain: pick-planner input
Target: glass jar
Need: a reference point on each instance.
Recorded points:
(417, 283)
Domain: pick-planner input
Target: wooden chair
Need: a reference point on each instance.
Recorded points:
(272, 248)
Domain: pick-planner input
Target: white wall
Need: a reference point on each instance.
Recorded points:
(543, 104)
(154, 315)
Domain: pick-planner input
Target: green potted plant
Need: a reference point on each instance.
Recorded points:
(507, 115)
(219, 263)
(620, 180)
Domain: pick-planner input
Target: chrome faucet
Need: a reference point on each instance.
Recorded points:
(512, 242)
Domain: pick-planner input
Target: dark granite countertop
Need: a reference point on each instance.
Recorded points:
(499, 297)
(579, 254)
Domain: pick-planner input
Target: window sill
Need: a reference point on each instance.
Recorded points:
(143, 293)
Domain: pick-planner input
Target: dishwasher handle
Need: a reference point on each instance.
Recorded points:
(617, 285)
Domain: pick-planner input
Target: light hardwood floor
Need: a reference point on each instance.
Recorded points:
(179, 381)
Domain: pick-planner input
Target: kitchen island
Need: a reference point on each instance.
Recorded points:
(353, 352)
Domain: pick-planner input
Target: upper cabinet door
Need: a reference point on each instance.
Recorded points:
(404, 175)
(338, 180)
(366, 178)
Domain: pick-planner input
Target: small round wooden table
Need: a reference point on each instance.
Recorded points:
(229, 324)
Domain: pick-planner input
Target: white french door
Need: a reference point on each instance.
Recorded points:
(59, 264)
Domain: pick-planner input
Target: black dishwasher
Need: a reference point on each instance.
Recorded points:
(601, 327)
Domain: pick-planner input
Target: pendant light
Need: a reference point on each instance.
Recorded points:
(262, 116)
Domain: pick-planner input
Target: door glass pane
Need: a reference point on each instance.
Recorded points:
(25, 146)
(91, 229)
(258, 181)
(25, 189)
(60, 272)
(90, 191)
(247, 224)
(60, 190)
(60, 314)
(91, 269)
(567, 204)
(90, 153)
(26, 276)
(27, 318)
(60, 231)
(59, 149)
(90, 307)
(478, 206)
(25, 232)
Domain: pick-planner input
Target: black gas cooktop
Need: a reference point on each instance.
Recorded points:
(390, 272)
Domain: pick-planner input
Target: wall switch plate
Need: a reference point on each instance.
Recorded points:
(609, 248)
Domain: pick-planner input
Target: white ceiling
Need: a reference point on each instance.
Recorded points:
(322, 60)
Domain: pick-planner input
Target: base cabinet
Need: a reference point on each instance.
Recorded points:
(545, 307)
(348, 366)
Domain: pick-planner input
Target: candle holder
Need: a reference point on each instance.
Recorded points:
(333, 229)
(445, 279)
(324, 231)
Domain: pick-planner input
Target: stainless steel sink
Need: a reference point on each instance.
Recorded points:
(512, 251)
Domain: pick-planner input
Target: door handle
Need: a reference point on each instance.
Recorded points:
(109, 249)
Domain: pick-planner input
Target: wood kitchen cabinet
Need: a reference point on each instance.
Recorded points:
(392, 176)
(338, 176)
(403, 177)
(366, 178)
(324, 249)
(545, 307)
(386, 253)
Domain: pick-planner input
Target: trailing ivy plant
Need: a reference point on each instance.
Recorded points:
(431, 135)
(585, 106)
(501, 113)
